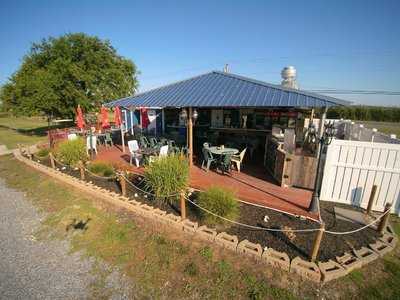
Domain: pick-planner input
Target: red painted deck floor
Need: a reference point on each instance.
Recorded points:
(255, 187)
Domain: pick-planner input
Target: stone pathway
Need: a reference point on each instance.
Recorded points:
(31, 269)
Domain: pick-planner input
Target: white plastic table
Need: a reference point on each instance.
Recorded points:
(219, 151)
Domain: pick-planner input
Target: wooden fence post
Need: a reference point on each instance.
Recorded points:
(371, 199)
(183, 206)
(384, 221)
(122, 181)
(82, 169)
(317, 242)
(53, 165)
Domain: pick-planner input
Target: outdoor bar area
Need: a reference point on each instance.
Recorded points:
(268, 130)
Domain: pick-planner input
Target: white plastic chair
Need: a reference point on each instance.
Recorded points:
(72, 136)
(91, 145)
(237, 159)
(133, 147)
(163, 152)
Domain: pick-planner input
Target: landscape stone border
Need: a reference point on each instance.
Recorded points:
(321, 272)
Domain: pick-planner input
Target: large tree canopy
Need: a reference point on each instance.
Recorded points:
(60, 73)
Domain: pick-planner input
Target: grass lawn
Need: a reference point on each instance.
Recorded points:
(21, 130)
(384, 127)
(166, 264)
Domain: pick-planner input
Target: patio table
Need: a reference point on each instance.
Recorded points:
(219, 151)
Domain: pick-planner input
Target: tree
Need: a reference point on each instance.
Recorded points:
(59, 73)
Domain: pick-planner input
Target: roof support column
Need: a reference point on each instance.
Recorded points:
(314, 204)
(190, 136)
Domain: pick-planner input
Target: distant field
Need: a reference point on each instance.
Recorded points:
(21, 130)
(384, 127)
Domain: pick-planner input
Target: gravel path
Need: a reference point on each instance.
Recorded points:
(31, 269)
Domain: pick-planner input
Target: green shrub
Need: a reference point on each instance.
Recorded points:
(167, 176)
(71, 152)
(43, 152)
(221, 202)
(102, 169)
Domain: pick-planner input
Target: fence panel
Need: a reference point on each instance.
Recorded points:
(353, 167)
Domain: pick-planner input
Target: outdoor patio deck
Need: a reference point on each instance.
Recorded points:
(251, 186)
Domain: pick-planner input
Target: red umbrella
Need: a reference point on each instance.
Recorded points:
(80, 122)
(104, 117)
(117, 116)
(145, 117)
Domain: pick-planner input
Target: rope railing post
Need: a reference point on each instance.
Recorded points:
(122, 182)
(317, 242)
(183, 205)
(371, 199)
(82, 170)
(53, 164)
(384, 221)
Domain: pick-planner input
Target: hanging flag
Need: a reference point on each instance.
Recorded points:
(80, 122)
(144, 117)
(104, 117)
(117, 116)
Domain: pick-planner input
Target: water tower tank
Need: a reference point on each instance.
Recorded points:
(289, 77)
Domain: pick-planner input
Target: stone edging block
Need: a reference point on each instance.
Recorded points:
(277, 259)
(331, 270)
(248, 248)
(389, 239)
(207, 233)
(365, 255)
(175, 221)
(349, 262)
(189, 226)
(227, 240)
(305, 269)
(381, 248)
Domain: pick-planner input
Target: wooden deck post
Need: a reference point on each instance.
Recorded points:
(371, 199)
(317, 242)
(385, 219)
(53, 165)
(122, 182)
(183, 206)
(190, 137)
(82, 170)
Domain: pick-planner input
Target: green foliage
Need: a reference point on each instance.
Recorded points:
(207, 253)
(220, 201)
(167, 176)
(102, 169)
(43, 152)
(191, 269)
(59, 73)
(365, 113)
(71, 152)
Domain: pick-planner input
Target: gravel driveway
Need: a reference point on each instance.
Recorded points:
(31, 269)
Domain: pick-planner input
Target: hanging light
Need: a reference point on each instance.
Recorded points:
(195, 115)
(183, 114)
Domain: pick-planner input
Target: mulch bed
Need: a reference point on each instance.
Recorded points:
(294, 243)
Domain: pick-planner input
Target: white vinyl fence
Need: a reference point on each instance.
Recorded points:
(353, 167)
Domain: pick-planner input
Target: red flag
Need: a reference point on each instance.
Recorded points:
(104, 117)
(117, 116)
(80, 122)
(145, 117)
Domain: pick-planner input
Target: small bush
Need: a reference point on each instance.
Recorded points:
(71, 152)
(167, 176)
(102, 169)
(43, 152)
(191, 269)
(221, 202)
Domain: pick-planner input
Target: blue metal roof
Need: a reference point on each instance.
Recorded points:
(220, 89)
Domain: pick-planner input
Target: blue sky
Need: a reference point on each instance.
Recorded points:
(333, 44)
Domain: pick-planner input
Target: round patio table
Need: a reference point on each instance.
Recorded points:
(219, 151)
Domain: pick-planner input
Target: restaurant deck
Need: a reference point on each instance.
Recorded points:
(252, 186)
